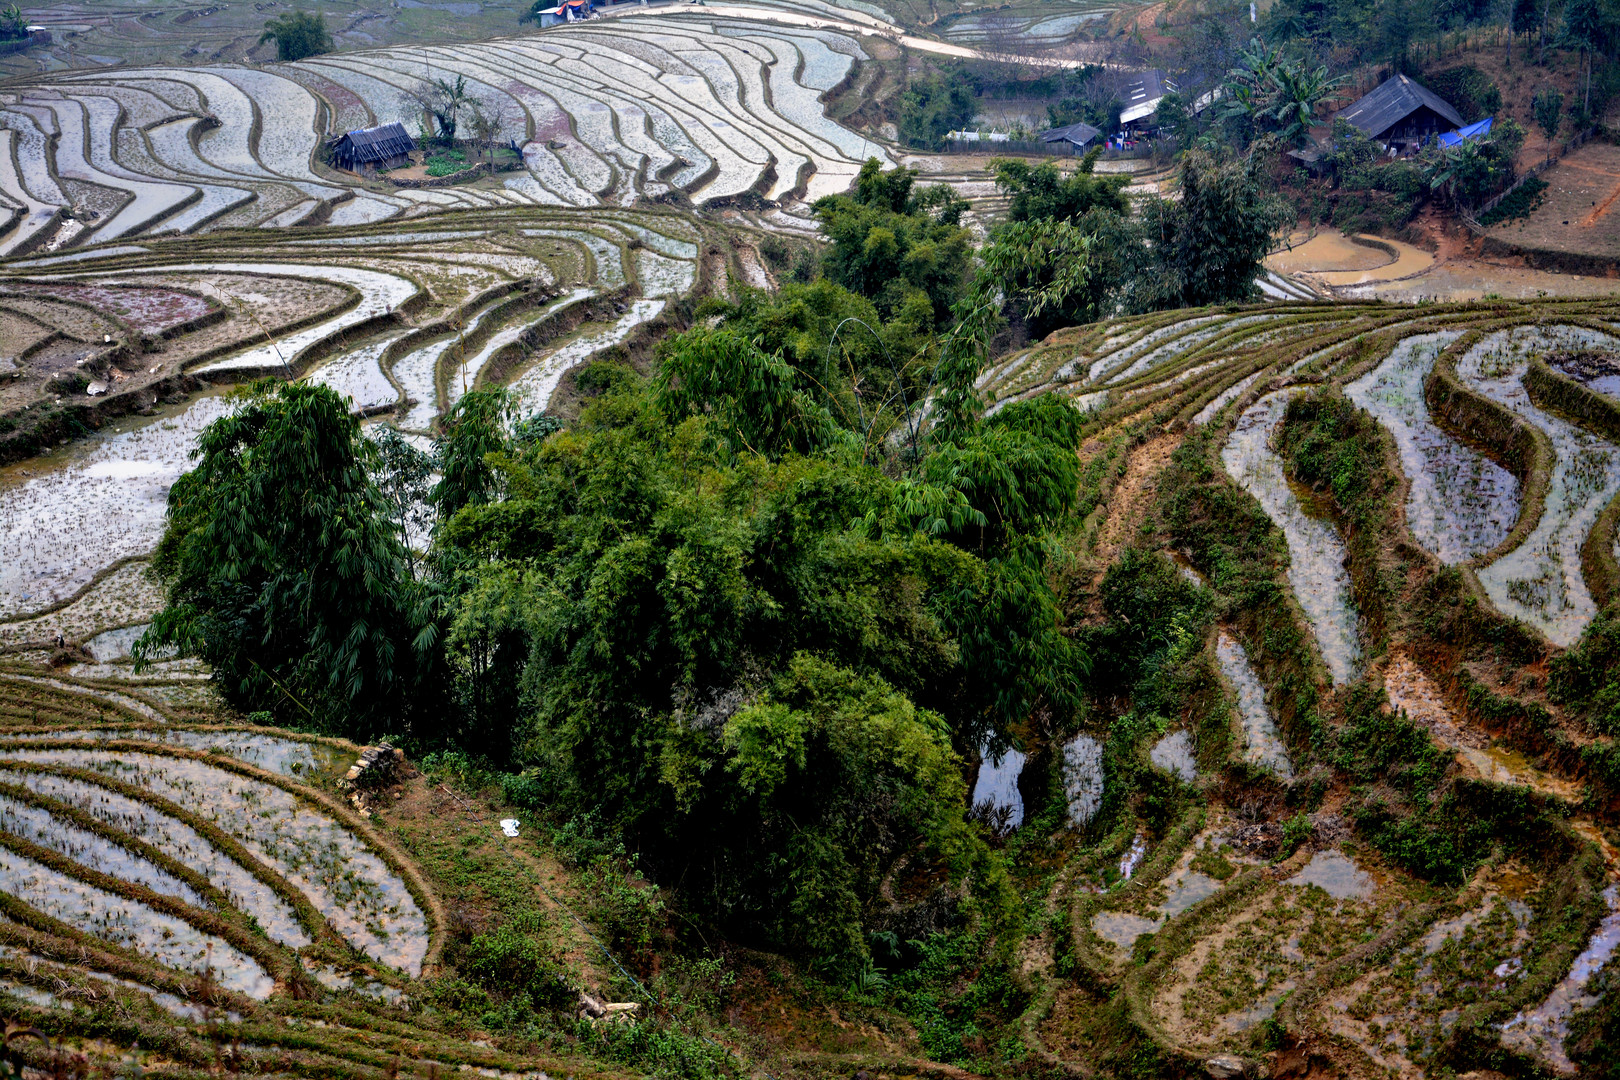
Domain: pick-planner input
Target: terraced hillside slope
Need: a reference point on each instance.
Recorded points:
(1397, 852)
(184, 896)
(1374, 835)
(400, 319)
(675, 108)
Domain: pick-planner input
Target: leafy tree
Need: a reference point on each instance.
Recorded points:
(1297, 91)
(758, 660)
(403, 474)
(286, 567)
(930, 107)
(1474, 168)
(297, 34)
(891, 242)
(1040, 268)
(472, 430)
(1207, 246)
(1268, 92)
(866, 370)
(1548, 109)
(445, 101)
(1044, 192)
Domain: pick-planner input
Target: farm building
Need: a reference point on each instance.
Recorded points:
(1141, 93)
(1401, 113)
(1074, 138)
(373, 149)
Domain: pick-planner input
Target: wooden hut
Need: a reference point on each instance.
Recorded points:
(373, 149)
(1073, 139)
(1402, 114)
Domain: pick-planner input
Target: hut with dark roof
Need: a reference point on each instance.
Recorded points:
(1401, 113)
(373, 149)
(1072, 139)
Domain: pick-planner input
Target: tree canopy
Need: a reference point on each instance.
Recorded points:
(297, 34)
(287, 567)
(895, 244)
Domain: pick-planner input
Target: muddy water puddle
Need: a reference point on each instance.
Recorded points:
(1316, 567)
(1597, 371)
(1329, 250)
(1262, 743)
(1501, 765)
(1122, 928)
(1461, 503)
(1335, 874)
(1540, 581)
(1414, 693)
(69, 514)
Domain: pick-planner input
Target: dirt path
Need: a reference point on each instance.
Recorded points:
(445, 819)
(1131, 499)
(1602, 207)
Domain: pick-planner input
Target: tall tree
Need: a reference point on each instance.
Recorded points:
(1586, 28)
(1043, 191)
(1207, 246)
(894, 243)
(286, 569)
(1548, 109)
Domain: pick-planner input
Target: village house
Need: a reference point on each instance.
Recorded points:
(375, 149)
(1401, 114)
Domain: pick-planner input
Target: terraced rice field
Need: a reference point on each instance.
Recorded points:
(1210, 943)
(198, 885)
(677, 107)
(400, 320)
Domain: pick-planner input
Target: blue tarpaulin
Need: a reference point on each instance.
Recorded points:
(1472, 131)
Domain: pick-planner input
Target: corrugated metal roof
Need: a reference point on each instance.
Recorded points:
(375, 144)
(1079, 134)
(1140, 94)
(1395, 99)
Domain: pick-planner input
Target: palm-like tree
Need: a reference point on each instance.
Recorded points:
(12, 23)
(1298, 91)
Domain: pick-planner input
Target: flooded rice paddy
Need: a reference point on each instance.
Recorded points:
(360, 895)
(176, 839)
(1540, 581)
(1174, 754)
(1542, 1030)
(38, 826)
(1461, 503)
(1316, 556)
(998, 784)
(68, 515)
(1083, 778)
(1262, 744)
(164, 938)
